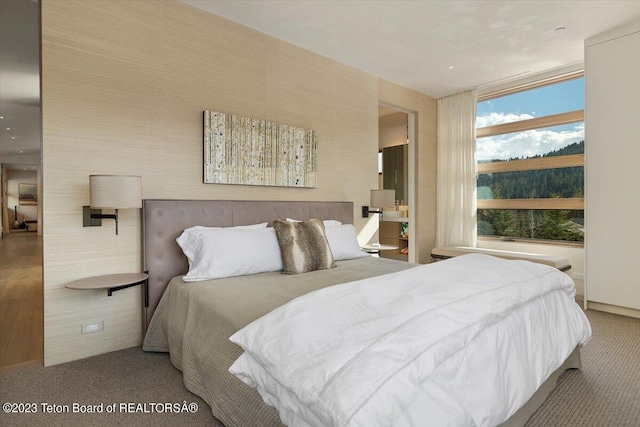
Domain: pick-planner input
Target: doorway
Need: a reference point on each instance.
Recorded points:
(396, 145)
(21, 285)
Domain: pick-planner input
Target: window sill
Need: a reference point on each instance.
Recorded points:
(577, 245)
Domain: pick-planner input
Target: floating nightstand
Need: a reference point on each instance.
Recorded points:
(113, 282)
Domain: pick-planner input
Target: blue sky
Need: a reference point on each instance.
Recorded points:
(539, 102)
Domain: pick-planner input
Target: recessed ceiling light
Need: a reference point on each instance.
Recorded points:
(1, 117)
(13, 137)
(20, 151)
(451, 67)
(559, 29)
(8, 128)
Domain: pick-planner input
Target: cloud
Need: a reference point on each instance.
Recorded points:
(499, 118)
(527, 143)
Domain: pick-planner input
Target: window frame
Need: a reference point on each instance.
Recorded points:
(552, 162)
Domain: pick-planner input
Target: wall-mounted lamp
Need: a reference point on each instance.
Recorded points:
(111, 192)
(379, 199)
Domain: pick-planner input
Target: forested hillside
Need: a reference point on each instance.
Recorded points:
(546, 183)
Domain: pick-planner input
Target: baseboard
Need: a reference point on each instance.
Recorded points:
(623, 311)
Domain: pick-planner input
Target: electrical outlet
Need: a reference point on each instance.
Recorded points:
(92, 327)
(578, 276)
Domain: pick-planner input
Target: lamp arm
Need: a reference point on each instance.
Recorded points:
(107, 216)
(366, 210)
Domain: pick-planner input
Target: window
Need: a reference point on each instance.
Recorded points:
(530, 154)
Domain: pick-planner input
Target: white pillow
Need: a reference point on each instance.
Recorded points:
(343, 242)
(189, 237)
(326, 222)
(227, 252)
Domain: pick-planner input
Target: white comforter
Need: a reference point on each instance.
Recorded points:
(463, 342)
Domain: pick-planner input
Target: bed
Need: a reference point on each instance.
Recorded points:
(193, 323)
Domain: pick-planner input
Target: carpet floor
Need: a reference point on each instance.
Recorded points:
(605, 393)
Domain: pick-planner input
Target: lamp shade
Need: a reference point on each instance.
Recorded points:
(115, 191)
(382, 198)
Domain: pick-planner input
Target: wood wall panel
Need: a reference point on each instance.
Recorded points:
(124, 87)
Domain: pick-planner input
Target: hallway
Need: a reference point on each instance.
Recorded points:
(21, 300)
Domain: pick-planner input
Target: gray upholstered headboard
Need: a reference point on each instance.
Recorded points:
(164, 220)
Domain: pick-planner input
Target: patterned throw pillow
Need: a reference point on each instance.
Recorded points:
(303, 246)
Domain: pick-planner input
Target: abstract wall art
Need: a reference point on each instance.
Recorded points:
(246, 151)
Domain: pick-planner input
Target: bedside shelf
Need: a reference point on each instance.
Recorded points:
(376, 249)
(113, 283)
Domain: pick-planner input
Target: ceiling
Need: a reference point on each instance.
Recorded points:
(434, 47)
(438, 48)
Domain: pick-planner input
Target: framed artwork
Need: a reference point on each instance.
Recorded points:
(246, 151)
(27, 194)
